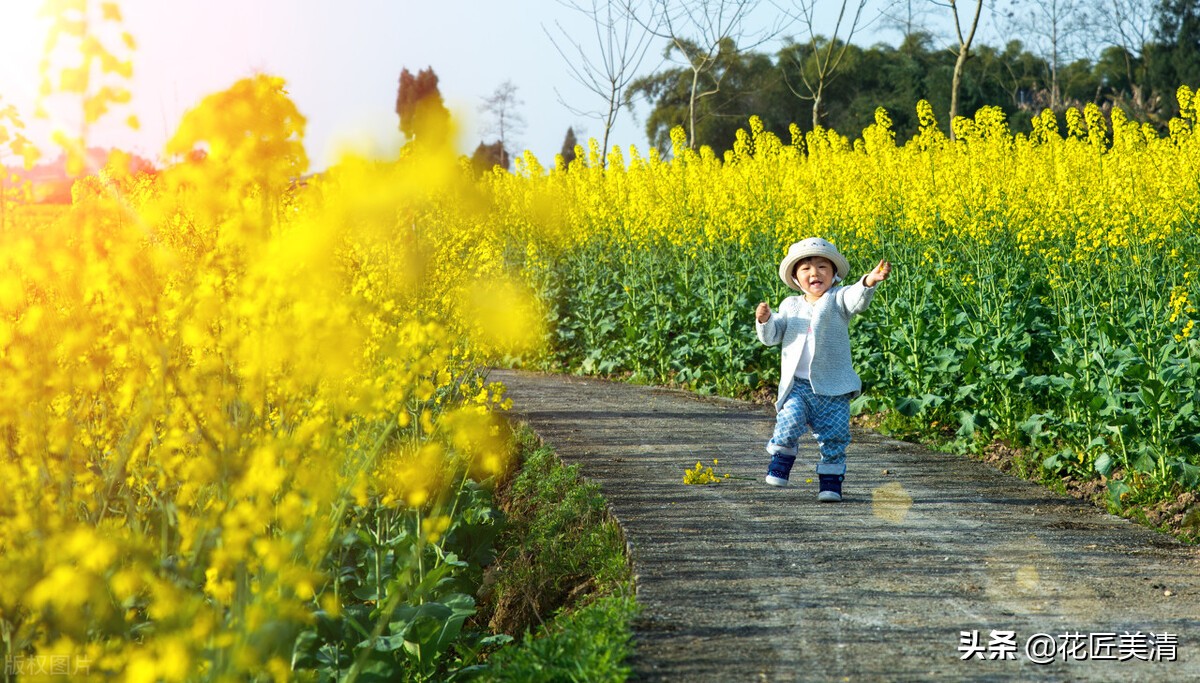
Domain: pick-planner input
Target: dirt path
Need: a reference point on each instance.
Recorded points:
(744, 582)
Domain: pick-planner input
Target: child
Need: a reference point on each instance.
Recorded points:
(817, 380)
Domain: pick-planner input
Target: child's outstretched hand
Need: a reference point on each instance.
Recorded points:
(881, 273)
(763, 313)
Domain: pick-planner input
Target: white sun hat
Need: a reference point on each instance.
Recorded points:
(813, 246)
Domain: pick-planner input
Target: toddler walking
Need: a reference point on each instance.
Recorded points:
(817, 379)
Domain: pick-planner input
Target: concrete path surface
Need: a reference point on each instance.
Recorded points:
(935, 567)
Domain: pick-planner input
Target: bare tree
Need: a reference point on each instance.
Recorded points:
(505, 121)
(621, 44)
(825, 56)
(1052, 28)
(696, 30)
(962, 53)
(1129, 25)
(908, 17)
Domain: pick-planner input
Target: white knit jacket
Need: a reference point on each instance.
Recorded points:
(831, 373)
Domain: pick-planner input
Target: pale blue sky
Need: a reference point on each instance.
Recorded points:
(342, 60)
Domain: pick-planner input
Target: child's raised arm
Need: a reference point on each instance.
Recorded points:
(879, 274)
(769, 328)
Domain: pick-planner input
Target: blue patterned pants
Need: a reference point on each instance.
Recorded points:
(827, 416)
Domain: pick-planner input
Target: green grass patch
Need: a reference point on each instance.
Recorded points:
(587, 644)
(561, 583)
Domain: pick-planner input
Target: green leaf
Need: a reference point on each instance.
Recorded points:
(1144, 462)
(1116, 489)
(909, 407)
(1034, 425)
(495, 640)
(352, 614)
(965, 391)
(1052, 462)
(1187, 474)
(946, 360)
(427, 631)
(932, 400)
(864, 403)
(970, 363)
(305, 650)
(380, 665)
(967, 423)
(1104, 464)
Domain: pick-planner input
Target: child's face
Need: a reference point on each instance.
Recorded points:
(815, 276)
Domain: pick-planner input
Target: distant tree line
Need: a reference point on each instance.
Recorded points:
(1133, 54)
(1141, 77)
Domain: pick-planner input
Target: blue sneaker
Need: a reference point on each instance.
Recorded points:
(831, 488)
(780, 468)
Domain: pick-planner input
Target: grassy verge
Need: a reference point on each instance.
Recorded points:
(561, 583)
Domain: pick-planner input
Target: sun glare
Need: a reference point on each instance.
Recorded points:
(22, 38)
